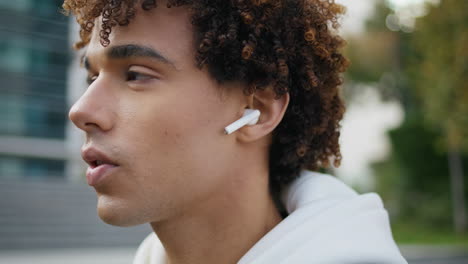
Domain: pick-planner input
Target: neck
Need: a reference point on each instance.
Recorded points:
(224, 228)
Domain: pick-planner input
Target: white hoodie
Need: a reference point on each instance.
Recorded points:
(328, 223)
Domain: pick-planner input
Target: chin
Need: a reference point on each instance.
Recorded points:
(118, 213)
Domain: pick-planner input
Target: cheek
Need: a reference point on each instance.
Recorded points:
(175, 145)
(175, 122)
(179, 140)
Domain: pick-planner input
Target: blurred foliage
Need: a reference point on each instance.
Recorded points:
(372, 54)
(375, 58)
(414, 180)
(426, 70)
(439, 70)
(416, 233)
(370, 62)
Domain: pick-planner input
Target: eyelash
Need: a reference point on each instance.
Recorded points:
(130, 76)
(90, 79)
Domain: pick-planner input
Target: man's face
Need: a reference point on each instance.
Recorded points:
(151, 112)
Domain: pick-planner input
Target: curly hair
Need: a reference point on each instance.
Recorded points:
(289, 45)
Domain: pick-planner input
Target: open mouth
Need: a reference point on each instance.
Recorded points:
(100, 166)
(95, 158)
(97, 163)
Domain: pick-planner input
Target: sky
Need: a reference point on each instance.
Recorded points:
(363, 138)
(357, 12)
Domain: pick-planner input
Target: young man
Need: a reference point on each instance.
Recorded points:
(166, 78)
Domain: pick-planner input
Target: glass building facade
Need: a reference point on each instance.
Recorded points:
(45, 203)
(34, 56)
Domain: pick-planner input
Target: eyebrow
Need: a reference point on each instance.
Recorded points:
(131, 51)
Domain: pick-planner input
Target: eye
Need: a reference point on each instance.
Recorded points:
(137, 76)
(90, 79)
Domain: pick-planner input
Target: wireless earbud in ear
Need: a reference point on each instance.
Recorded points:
(250, 117)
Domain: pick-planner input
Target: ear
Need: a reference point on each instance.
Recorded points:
(272, 110)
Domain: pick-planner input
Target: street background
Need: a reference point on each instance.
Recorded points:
(404, 134)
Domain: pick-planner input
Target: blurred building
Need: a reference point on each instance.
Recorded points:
(33, 64)
(44, 201)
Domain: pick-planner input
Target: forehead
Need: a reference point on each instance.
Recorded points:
(167, 30)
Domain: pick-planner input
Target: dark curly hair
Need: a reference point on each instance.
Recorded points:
(290, 45)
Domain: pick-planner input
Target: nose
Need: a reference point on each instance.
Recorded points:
(93, 111)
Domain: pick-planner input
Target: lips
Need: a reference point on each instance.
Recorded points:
(100, 166)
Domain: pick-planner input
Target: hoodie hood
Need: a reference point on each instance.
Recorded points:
(328, 222)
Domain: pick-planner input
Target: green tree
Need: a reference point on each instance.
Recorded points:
(415, 69)
(372, 54)
(438, 72)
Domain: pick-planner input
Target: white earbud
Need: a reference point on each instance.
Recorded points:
(250, 117)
